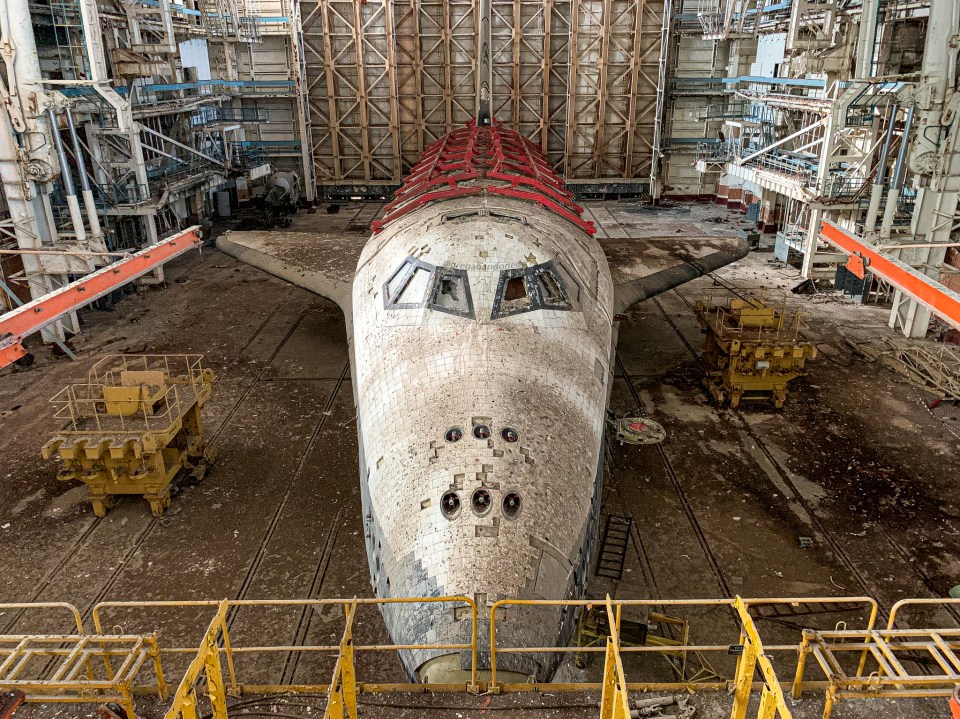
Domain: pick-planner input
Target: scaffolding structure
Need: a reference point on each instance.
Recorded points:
(122, 124)
(835, 112)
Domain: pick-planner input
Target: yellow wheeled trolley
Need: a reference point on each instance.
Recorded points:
(754, 344)
(133, 427)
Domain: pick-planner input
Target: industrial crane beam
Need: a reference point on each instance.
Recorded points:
(23, 321)
(941, 300)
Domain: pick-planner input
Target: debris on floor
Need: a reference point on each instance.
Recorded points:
(935, 369)
(671, 707)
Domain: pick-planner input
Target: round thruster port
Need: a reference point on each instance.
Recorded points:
(454, 434)
(450, 505)
(481, 501)
(481, 431)
(511, 505)
(509, 434)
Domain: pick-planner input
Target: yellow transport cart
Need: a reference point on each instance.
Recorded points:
(133, 427)
(754, 344)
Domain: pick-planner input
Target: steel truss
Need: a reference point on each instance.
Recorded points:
(386, 80)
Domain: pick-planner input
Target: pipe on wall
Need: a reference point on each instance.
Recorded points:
(85, 187)
(896, 180)
(76, 218)
(876, 192)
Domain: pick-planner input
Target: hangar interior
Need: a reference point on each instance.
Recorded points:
(793, 556)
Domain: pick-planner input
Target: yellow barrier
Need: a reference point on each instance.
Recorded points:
(342, 689)
(666, 605)
(772, 702)
(613, 702)
(40, 606)
(205, 663)
(213, 656)
(919, 602)
(880, 647)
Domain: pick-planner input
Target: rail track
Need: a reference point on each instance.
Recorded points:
(90, 532)
(831, 540)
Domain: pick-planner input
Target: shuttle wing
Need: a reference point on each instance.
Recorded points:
(642, 268)
(322, 262)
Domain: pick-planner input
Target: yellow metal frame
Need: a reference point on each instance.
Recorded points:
(614, 701)
(890, 679)
(65, 668)
(213, 668)
(132, 427)
(596, 636)
(670, 606)
(343, 687)
(753, 344)
(772, 701)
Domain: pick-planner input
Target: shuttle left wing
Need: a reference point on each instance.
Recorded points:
(322, 262)
(643, 268)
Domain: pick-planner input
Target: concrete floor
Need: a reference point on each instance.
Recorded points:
(854, 461)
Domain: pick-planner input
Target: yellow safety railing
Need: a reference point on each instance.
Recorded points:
(883, 651)
(772, 702)
(919, 602)
(43, 606)
(63, 668)
(614, 701)
(210, 668)
(615, 686)
(343, 688)
(206, 664)
(667, 606)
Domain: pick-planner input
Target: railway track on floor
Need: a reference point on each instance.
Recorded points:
(684, 500)
(306, 616)
(83, 540)
(330, 539)
(785, 477)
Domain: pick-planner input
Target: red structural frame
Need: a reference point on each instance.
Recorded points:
(485, 160)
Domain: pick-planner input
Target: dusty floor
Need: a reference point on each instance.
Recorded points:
(855, 461)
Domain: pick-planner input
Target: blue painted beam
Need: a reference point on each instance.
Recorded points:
(169, 87)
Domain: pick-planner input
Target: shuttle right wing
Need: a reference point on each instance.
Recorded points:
(321, 262)
(643, 268)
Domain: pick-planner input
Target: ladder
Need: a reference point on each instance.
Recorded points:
(613, 547)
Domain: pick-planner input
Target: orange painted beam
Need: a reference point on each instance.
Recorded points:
(32, 317)
(941, 300)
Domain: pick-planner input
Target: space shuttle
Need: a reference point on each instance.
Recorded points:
(481, 315)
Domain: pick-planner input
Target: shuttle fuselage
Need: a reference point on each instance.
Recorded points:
(481, 319)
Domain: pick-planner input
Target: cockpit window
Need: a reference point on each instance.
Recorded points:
(451, 292)
(416, 283)
(547, 286)
(551, 293)
(407, 287)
